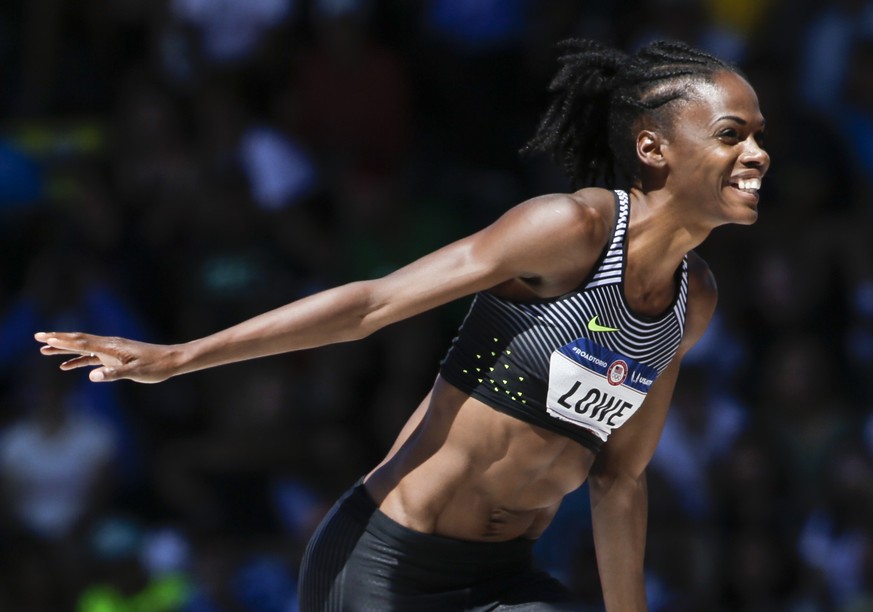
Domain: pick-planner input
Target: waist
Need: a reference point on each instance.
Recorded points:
(473, 473)
(441, 551)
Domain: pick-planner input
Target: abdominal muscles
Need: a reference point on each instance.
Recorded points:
(470, 472)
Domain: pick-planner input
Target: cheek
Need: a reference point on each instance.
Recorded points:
(696, 152)
(703, 161)
(719, 161)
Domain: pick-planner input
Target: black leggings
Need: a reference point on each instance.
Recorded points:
(361, 560)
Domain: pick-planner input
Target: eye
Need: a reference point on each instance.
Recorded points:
(729, 135)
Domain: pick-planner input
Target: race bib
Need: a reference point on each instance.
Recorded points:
(595, 388)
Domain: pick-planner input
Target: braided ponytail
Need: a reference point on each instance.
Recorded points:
(598, 96)
(575, 127)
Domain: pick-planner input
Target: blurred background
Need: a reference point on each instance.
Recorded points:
(170, 167)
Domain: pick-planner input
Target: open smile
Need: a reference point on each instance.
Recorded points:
(747, 187)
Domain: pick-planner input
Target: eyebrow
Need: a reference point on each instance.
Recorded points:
(739, 120)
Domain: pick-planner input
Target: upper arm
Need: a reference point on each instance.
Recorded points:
(549, 237)
(630, 448)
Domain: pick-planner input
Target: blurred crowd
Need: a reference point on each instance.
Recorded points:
(171, 167)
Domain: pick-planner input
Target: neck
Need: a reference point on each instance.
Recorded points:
(660, 229)
(659, 237)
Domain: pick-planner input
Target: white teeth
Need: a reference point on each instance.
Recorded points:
(752, 184)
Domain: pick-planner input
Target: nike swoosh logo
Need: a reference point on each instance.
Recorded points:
(594, 326)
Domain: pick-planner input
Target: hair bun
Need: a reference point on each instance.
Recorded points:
(602, 66)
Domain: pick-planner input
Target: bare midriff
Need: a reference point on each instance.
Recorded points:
(463, 470)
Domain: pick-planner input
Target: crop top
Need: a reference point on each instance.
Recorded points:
(580, 364)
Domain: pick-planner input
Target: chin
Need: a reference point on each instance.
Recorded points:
(747, 219)
(747, 216)
(743, 211)
(750, 217)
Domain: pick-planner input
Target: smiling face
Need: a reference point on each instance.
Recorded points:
(713, 151)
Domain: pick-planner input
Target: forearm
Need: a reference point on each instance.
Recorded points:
(619, 508)
(337, 315)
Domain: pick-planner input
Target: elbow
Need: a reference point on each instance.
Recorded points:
(622, 493)
(369, 315)
(605, 477)
(599, 481)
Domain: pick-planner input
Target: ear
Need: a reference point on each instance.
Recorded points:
(649, 145)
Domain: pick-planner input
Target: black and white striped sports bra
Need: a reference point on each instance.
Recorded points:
(580, 364)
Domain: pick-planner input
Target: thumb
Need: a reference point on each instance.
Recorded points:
(104, 374)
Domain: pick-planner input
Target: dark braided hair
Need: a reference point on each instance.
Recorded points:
(600, 94)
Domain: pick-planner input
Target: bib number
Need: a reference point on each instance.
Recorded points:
(595, 388)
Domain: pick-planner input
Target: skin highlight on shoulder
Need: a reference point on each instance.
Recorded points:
(570, 232)
(586, 215)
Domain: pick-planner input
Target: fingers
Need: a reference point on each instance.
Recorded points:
(111, 358)
(99, 374)
(87, 349)
(78, 362)
(52, 350)
(85, 345)
(70, 342)
(59, 344)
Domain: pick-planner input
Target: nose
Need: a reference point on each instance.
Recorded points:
(754, 155)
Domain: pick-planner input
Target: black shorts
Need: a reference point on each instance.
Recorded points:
(361, 560)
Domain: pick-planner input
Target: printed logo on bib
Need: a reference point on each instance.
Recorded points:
(595, 388)
(617, 373)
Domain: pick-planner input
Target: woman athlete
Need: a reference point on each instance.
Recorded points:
(562, 371)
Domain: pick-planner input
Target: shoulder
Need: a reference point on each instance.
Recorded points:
(550, 240)
(701, 281)
(702, 298)
(588, 213)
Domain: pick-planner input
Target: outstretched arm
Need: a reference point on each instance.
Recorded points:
(619, 496)
(532, 240)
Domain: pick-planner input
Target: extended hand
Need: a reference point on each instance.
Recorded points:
(115, 358)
